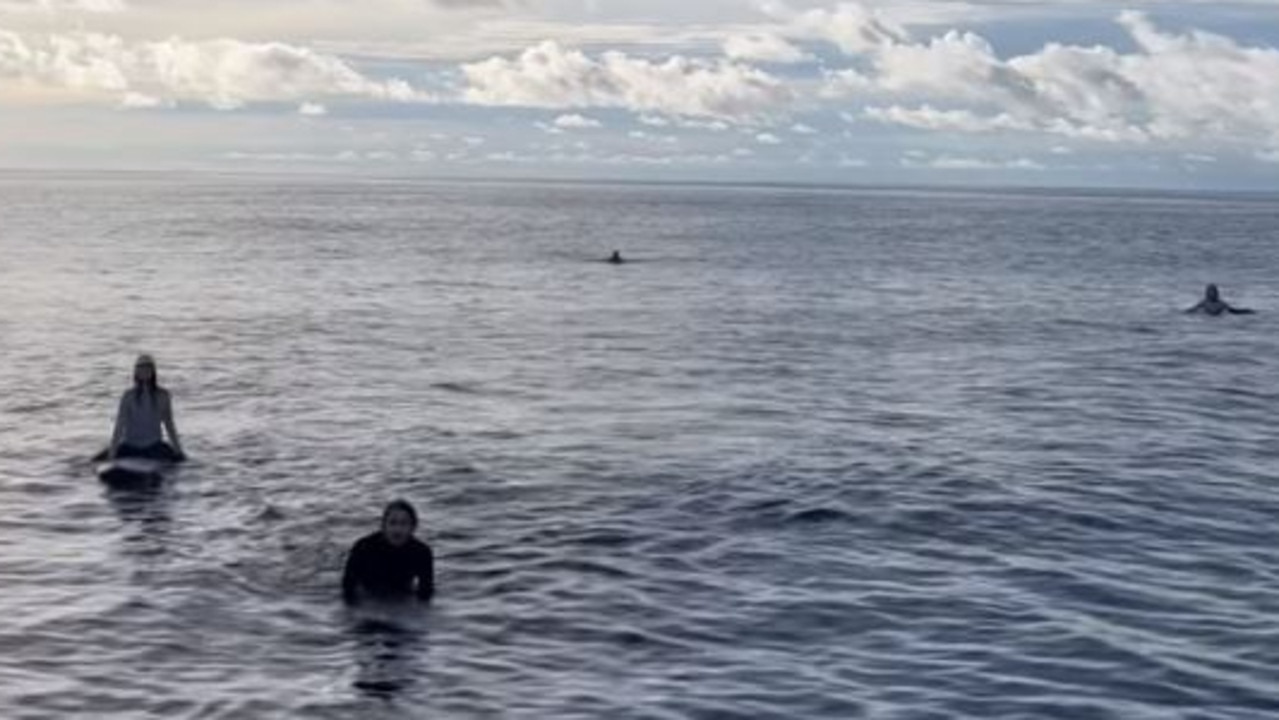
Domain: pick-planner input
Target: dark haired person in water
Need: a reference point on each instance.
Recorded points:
(616, 258)
(145, 415)
(1212, 304)
(390, 563)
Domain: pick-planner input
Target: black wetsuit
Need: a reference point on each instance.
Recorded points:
(377, 568)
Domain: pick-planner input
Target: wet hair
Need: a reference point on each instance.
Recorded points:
(401, 505)
(1211, 292)
(146, 386)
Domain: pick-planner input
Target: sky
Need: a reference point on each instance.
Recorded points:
(1142, 93)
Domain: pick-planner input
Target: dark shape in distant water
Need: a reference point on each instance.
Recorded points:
(616, 258)
(1212, 304)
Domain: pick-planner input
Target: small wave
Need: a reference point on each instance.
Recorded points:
(818, 515)
(270, 513)
(456, 387)
(606, 539)
(584, 567)
(33, 408)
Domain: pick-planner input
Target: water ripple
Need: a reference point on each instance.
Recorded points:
(933, 456)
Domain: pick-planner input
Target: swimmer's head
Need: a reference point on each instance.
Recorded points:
(144, 371)
(1211, 293)
(399, 520)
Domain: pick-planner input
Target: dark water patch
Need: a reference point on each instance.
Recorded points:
(818, 515)
(458, 387)
(582, 568)
(32, 408)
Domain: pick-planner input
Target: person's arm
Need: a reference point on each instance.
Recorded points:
(166, 417)
(351, 576)
(121, 422)
(426, 574)
(1198, 306)
(1239, 311)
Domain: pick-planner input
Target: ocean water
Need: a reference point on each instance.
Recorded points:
(813, 453)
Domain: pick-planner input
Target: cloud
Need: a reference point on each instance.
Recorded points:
(576, 122)
(763, 47)
(926, 117)
(851, 27)
(711, 125)
(138, 101)
(223, 74)
(1195, 86)
(688, 70)
(641, 135)
(916, 159)
(550, 76)
(116, 6)
(343, 156)
(55, 6)
(468, 4)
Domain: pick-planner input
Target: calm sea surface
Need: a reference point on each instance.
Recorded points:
(812, 454)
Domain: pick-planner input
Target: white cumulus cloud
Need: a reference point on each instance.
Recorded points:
(926, 117)
(551, 76)
(763, 47)
(138, 101)
(222, 73)
(55, 6)
(853, 27)
(1193, 86)
(576, 122)
(916, 159)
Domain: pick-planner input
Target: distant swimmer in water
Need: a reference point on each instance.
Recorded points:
(1212, 304)
(144, 417)
(390, 563)
(616, 258)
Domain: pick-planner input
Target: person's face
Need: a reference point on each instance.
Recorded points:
(143, 372)
(398, 527)
(1211, 293)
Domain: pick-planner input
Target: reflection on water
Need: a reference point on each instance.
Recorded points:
(147, 512)
(389, 645)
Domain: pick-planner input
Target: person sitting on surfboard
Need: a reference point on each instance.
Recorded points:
(616, 257)
(390, 563)
(145, 415)
(1212, 304)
